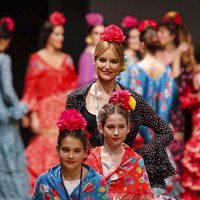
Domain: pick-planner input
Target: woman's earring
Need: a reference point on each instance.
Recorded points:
(119, 78)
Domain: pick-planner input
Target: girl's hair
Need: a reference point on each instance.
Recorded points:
(45, 32)
(109, 109)
(188, 58)
(102, 46)
(181, 34)
(78, 134)
(5, 33)
(150, 39)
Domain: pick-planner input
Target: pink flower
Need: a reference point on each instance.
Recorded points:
(129, 22)
(57, 18)
(121, 98)
(112, 33)
(147, 23)
(94, 19)
(9, 22)
(71, 120)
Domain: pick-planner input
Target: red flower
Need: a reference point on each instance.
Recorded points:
(112, 33)
(173, 16)
(57, 18)
(147, 23)
(94, 19)
(9, 23)
(129, 22)
(121, 98)
(71, 120)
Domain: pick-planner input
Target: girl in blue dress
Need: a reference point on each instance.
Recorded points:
(71, 179)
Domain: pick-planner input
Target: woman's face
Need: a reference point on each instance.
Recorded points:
(71, 153)
(134, 39)
(108, 65)
(165, 37)
(4, 44)
(56, 38)
(115, 130)
(95, 34)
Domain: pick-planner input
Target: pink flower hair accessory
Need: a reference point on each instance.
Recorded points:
(129, 22)
(173, 16)
(124, 99)
(71, 120)
(147, 23)
(112, 33)
(9, 23)
(57, 18)
(94, 19)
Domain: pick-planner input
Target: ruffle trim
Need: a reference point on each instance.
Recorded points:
(158, 167)
(126, 196)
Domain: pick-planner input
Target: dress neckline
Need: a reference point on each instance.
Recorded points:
(153, 79)
(49, 65)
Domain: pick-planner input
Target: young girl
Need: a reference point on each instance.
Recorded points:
(122, 168)
(71, 179)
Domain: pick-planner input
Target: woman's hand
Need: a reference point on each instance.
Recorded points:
(183, 47)
(35, 127)
(196, 78)
(25, 121)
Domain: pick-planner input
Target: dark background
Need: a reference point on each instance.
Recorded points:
(29, 16)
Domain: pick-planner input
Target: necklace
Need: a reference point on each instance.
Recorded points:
(79, 193)
(97, 107)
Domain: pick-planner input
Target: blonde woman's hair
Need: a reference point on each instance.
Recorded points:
(117, 48)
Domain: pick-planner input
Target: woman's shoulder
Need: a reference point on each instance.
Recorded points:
(129, 151)
(92, 173)
(80, 91)
(5, 56)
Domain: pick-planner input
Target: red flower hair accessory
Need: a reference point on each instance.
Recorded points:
(173, 16)
(112, 33)
(129, 22)
(71, 120)
(124, 99)
(9, 23)
(147, 23)
(57, 18)
(94, 19)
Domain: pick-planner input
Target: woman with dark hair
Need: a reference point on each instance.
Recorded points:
(51, 74)
(151, 78)
(109, 62)
(178, 52)
(86, 66)
(71, 179)
(132, 47)
(14, 182)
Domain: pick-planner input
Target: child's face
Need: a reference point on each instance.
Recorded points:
(71, 153)
(115, 130)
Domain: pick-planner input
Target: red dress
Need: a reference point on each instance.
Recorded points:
(45, 93)
(127, 181)
(191, 160)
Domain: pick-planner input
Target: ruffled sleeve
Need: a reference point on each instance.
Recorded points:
(154, 153)
(30, 86)
(15, 108)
